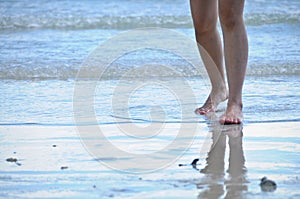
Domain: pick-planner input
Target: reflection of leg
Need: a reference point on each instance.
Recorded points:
(215, 158)
(214, 191)
(205, 15)
(214, 169)
(236, 55)
(236, 155)
(236, 185)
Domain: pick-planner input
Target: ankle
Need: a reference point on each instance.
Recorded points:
(221, 88)
(232, 104)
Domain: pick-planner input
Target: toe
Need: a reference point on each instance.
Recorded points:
(203, 111)
(229, 120)
(222, 120)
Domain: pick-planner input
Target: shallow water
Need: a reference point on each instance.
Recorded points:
(266, 99)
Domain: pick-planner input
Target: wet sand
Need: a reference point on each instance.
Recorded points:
(52, 162)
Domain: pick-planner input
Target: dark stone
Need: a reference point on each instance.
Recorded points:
(64, 167)
(267, 185)
(11, 160)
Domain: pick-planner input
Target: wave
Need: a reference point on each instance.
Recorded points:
(96, 22)
(37, 73)
(271, 18)
(126, 22)
(118, 70)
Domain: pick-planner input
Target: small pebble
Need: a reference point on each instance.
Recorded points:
(64, 167)
(267, 185)
(195, 161)
(11, 160)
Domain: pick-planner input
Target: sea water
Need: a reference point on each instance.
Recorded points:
(43, 46)
(44, 43)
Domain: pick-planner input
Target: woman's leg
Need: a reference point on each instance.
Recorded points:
(236, 56)
(205, 16)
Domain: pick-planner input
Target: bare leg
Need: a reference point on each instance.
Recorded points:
(236, 56)
(205, 15)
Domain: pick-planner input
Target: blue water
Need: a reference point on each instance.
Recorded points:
(43, 44)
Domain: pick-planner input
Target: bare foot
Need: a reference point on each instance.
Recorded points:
(233, 115)
(212, 102)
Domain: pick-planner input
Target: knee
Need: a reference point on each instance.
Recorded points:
(229, 18)
(204, 26)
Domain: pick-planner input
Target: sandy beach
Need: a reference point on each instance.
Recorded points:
(52, 162)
